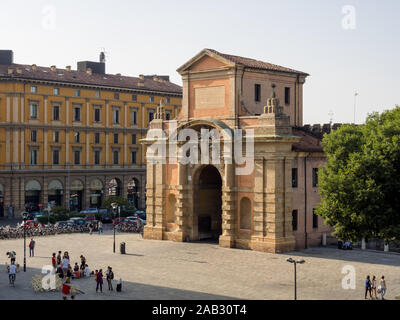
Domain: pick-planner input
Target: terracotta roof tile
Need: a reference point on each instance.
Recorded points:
(82, 77)
(256, 64)
(308, 142)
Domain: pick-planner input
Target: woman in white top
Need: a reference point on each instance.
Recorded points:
(87, 271)
(65, 264)
(383, 287)
(373, 287)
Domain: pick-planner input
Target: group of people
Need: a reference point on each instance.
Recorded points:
(63, 266)
(99, 279)
(99, 227)
(64, 270)
(372, 288)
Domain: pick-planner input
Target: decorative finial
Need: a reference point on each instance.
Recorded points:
(273, 103)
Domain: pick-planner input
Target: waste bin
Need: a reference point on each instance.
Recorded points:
(122, 248)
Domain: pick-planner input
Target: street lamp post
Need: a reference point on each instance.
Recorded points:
(114, 207)
(25, 218)
(295, 273)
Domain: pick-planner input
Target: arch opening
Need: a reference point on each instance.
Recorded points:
(208, 204)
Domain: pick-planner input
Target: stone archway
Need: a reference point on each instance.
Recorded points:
(207, 203)
(115, 187)
(134, 192)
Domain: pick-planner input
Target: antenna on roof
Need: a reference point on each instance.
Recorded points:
(103, 55)
(330, 114)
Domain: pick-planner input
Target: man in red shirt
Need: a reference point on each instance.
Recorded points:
(53, 261)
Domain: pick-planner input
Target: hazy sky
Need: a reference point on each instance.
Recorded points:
(154, 36)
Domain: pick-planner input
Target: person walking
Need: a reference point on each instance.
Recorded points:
(90, 228)
(373, 287)
(11, 255)
(65, 264)
(367, 287)
(32, 248)
(54, 261)
(100, 227)
(59, 258)
(99, 280)
(382, 287)
(110, 277)
(83, 261)
(12, 272)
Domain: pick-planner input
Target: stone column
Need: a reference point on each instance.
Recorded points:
(259, 200)
(228, 237)
(8, 148)
(22, 149)
(45, 192)
(181, 199)
(15, 144)
(8, 108)
(67, 111)
(45, 109)
(45, 157)
(107, 148)
(87, 164)
(278, 238)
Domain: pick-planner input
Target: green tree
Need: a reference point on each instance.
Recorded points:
(360, 185)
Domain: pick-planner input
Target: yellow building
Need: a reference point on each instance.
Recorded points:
(71, 137)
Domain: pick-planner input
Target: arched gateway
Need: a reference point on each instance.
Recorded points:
(206, 178)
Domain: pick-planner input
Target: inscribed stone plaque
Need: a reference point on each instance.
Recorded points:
(210, 97)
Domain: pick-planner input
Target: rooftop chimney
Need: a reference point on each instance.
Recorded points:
(97, 67)
(19, 70)
(68, 68)
(141, 76)
(34, 67)
(89, 71)
(6, 57)
(53, 68)
(10, 70)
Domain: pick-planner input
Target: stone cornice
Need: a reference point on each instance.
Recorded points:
(13, 125)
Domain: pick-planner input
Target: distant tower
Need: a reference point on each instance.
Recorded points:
(102, 57)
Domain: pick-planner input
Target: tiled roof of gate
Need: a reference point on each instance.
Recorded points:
(308, 142)
(256, 64)
(82, 77)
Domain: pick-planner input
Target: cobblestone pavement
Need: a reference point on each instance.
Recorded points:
(199, 271)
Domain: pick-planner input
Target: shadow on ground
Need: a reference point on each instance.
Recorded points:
(130, 290)
(372, 257)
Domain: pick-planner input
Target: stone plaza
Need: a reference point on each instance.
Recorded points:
(199, 271)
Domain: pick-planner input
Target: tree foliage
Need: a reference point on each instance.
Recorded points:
(360, 185)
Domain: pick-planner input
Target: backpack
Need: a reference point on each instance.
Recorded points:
(112, 275)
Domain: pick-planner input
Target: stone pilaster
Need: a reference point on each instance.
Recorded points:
(228, 237)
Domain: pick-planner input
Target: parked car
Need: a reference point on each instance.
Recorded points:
(31, 224)
(90, 217)
(106, 218)
(64, 224)
(32, 215)
(79, 221)
(118, 221)
(90, 210)
(136, 218)
(141, 214)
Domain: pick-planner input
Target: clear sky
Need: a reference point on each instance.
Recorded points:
(343, 51)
